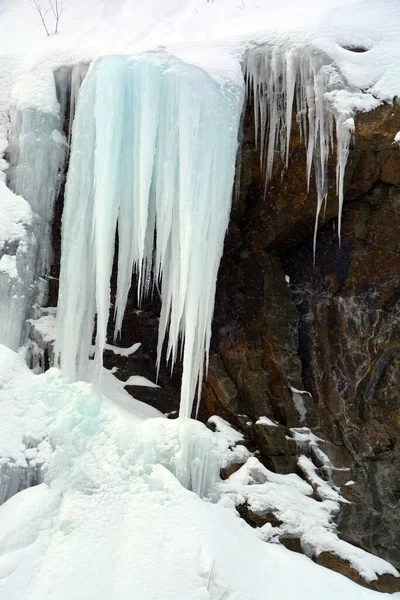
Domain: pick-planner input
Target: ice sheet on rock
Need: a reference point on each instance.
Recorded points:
(282, 79)
(68, 81)
(153, 155)
(37, 152)
(36, 156)
(17, 246)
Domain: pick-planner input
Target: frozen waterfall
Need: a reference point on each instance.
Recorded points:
(152, 163)
(153, 158)
(36, 152)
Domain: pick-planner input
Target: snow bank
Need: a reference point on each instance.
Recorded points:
(111, 519)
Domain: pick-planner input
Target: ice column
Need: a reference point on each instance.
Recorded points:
(36, 153)
(279, 78)
(153, 157)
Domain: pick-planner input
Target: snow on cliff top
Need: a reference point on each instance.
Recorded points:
(211, 34)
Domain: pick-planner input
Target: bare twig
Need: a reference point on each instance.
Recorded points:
(57, 9)
(38, 6)
(210, 575)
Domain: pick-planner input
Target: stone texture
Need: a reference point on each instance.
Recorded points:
(333, 329)
(384, 583)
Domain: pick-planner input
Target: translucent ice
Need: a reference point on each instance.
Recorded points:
(280, 77)
(36, 153)
(153, 156)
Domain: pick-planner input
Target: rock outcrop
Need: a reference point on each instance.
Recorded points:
(283, 325)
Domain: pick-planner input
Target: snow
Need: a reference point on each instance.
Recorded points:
(45, 325)
(140, 381)
(8, 265)
(296, 391)
(123, 351)
(303, 434)
(397, 138)
(289, 498)
(226, 430)
(266, 421)
(111, 514)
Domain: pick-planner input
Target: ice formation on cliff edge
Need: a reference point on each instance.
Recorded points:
(153, 154)
(36, 154)
(281, 77)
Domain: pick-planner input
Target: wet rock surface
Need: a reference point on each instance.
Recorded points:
(333, 329)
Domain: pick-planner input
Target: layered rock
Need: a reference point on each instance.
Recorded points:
(284, 325)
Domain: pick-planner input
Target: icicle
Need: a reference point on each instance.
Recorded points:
(275, 76)
(344, 132)
(68, 82)
(153, 153)
(76, 299)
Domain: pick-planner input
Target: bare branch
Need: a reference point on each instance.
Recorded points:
(57, 9)
(38, 6)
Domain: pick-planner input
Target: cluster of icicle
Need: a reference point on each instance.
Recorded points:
(280, 78)
(152, 162)
(153, 155)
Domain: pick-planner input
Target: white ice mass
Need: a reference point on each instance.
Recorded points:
(153, 156)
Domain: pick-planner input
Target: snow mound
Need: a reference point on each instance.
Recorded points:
(111, 516)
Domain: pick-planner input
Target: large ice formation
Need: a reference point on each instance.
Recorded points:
(153, 157)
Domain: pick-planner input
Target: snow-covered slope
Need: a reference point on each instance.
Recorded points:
(112, 520)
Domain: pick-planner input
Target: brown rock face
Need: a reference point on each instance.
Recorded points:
(332, 328)
(384, 583)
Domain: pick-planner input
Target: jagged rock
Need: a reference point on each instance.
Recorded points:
(277, 453)
(384, 583)
(227, 471)
(332, 329)
(291, 543)
(257, 519)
